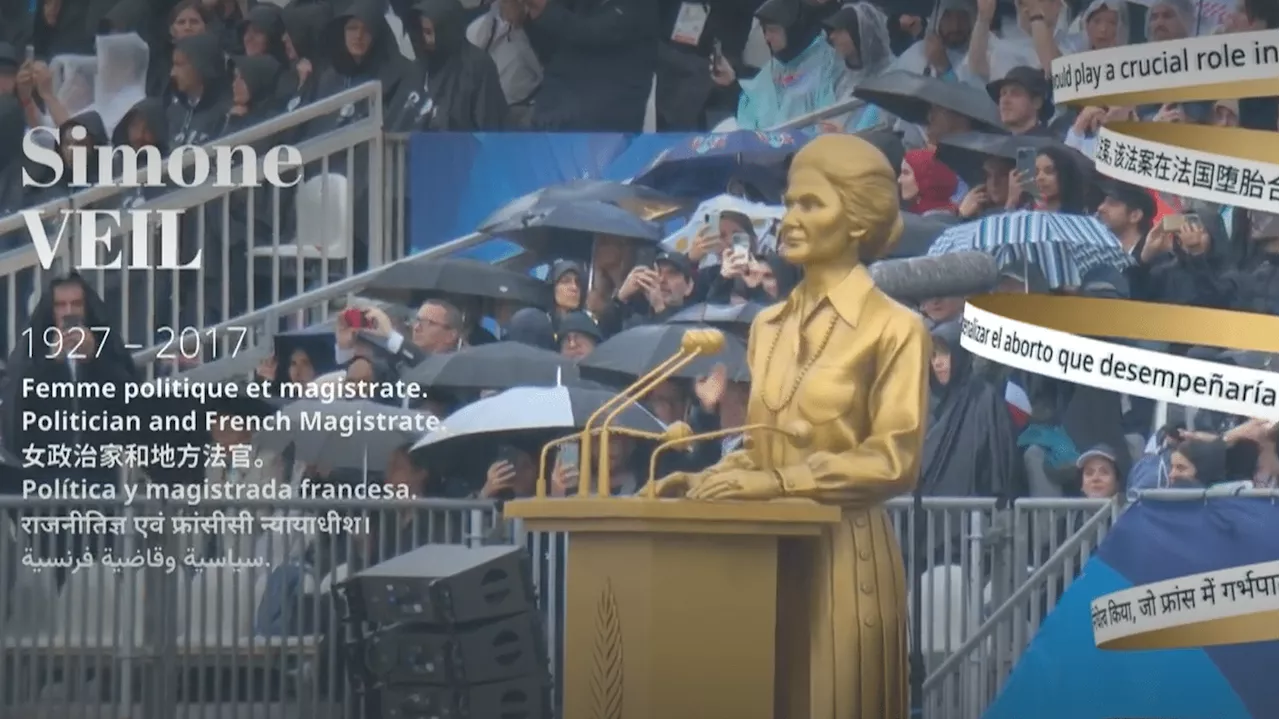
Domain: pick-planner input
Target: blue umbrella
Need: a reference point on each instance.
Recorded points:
(705, 164)
(1065, 248)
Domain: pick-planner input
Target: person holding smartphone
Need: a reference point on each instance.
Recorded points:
(513, 474)
(665, 286)
(564, 477)
(1183, 262)
(1051, 180)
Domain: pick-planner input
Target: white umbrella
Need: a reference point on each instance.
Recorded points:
(764, 219)
(531, 409)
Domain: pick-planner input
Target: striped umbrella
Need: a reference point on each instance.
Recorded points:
(1065, 248)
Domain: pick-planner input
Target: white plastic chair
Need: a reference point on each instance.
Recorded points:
(942, 604)
(324, 221)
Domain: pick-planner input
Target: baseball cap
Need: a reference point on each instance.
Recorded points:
(677, 260)
(1098, 450)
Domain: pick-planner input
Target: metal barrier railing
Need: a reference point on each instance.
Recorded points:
(158, 624)
(963, 684)
(277, 242)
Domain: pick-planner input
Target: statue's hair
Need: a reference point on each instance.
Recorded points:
(867, 185)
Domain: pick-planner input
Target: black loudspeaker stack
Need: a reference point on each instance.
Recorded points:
(448, 632)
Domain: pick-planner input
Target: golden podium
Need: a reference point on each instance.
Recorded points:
(671, 605)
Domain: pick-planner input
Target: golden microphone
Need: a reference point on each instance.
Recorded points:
(799, 432)
(673, 431)
(695, 343)
(584, 452)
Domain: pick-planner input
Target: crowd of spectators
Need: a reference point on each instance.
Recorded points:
(198, 70)
(206, 68)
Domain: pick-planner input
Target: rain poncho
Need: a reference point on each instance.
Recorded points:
(970, 449)
(1193, 25)
(913, 58)
(1014, 47)
(868, 27)
(798, 80)
(74, 78)
(1078, 39)
(121, 81)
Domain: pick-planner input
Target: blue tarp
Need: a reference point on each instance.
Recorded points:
(458, 179)
(1063, 675)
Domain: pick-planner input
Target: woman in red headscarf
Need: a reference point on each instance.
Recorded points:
(926, 184)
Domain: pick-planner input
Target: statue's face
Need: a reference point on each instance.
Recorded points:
(814, 227)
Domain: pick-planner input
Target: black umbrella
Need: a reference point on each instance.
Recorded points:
(345, 434)
(918, 233)
(643, 202)
(589, 216)
(523, 416)
(500, 365)
(730, 317)
(964, 153)
(909, 96)
(413, 281)
(634, 352)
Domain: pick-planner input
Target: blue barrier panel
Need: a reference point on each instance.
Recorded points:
(458, 179)
(1063, 675)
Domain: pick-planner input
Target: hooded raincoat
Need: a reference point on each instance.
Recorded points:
(970, 449)
(799, 79)
(460, 78)
(110, 364)
(914, 59)
(199, 120)
(381, 63)
(599, 58)
(304, 26)
(868, 27)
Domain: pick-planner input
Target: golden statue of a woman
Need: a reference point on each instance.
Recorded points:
(841, 356)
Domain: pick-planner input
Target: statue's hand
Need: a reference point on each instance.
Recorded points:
(676, 484)
(738, 484)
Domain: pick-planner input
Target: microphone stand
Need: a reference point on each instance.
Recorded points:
(917, 665)
(800, 433)
(694, 343)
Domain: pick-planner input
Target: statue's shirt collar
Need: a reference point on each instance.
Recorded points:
(847, 298)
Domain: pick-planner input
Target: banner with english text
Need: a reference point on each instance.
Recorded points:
(1063, 674)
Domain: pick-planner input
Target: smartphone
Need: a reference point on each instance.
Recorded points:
(31, 53)
(568, 456)
(1027, 168)
(646, 254)
(510, 455)
(717, 53)
(1173, 222)
(354, 318)
(741, 243)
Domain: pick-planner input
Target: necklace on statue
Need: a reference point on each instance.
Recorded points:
(809, 361)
